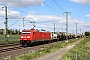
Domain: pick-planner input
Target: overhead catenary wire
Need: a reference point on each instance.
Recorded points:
(73, 19)
(58, 5)
(51, 8)
(10, 18)
(13, 23)
(12, 15)
(25, 24)
(62, 8)
(76, 25)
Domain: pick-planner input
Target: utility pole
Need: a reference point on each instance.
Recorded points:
(67, 25)
(54, 27)
(62, 29)
(76, 29)
(6, 25)
(73, 32)
(80, 30)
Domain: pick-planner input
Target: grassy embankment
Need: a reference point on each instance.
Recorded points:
(51, 48)
(80, 52)
(11, 39)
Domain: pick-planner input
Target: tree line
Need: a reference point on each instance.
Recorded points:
(87, 33)
(17, 31)
(10, 31)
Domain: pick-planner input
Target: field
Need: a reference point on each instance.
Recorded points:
(80, 52)
(11, 38)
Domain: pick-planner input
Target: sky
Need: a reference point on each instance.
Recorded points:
(46, 13)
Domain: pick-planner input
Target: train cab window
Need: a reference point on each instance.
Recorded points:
(33, 33)
(25, 32)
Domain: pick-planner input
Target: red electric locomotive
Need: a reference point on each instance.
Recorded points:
(30, 36)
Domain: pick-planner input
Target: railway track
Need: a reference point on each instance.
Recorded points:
(6, 45)
(9, 47)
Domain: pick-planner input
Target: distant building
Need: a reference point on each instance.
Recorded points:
(1, 31)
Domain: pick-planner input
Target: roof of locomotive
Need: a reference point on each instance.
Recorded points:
(28, 30)
(34, 30)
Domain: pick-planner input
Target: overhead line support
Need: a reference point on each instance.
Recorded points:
(67, 25)
(54, 27)
(23, 21)
(76, 29)
(6, 25)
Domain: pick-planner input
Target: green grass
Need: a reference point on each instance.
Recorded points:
(80, 52)
(11, 39)
(51, 48)
(2, 37)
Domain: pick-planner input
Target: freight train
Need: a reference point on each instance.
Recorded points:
(30, 36)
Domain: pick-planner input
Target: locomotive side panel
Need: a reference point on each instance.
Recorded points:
(40, 36)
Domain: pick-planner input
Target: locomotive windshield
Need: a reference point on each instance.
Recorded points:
(25, 32)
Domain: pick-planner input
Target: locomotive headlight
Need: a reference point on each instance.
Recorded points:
(21, 36)
(28, 36)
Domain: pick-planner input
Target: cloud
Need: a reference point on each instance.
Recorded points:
(22, 3)
(81, 1)
(46, 22)
(45, 18)
(71, 9)
(86, 26)
(13, 14)
(88, 15)
(10, 13)
(42, 21)
(1, 22)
